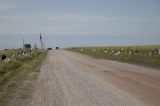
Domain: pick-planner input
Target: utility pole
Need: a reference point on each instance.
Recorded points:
(41, 41)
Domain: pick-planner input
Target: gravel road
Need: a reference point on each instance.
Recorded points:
(72, 79)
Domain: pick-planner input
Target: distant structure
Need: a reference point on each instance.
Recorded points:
(42, 42)
(57, 48)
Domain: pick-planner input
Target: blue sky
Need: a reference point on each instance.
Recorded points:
(79, 22)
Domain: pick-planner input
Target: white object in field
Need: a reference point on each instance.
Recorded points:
(13, 56)
(118, 53)
(6, 60)
(130, 52)
(105, 51)
(111, 52)
(94, 50)
(81, 49)
(150, 53)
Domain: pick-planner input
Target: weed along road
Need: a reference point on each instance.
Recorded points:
(72, 79)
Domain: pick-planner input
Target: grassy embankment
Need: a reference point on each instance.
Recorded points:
(17, 71)
(141, 55)
(15, 65)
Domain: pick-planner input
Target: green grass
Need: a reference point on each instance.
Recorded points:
(18, 78)
(128, 54)
(15, 65)
(6, 52)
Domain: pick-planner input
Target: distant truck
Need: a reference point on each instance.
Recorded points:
(57, 48)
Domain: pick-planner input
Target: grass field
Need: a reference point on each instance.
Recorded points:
(142, 55)
(15, 65)
(6, 52)
(18, 76)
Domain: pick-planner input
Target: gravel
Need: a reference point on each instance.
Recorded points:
(65, 81)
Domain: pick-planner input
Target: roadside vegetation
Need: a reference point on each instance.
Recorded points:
(6, 52)
(141, 55)
(15, 65)
(17, 76)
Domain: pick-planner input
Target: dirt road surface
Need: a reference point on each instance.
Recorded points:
(73, 79)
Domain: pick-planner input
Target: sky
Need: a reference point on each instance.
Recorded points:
(68, 23)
